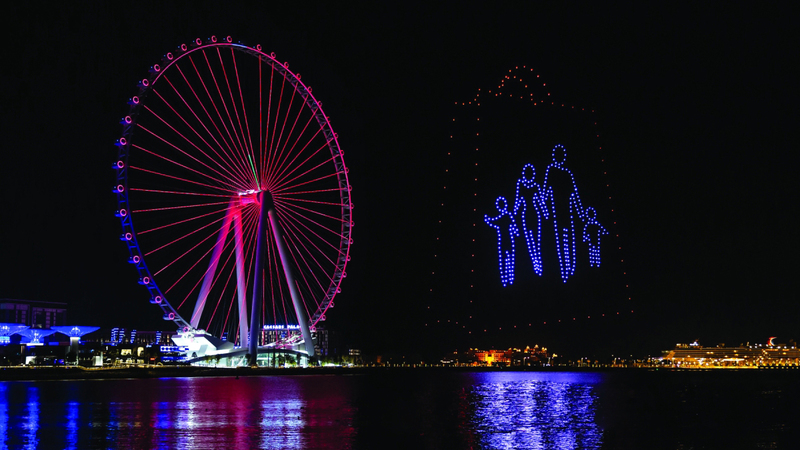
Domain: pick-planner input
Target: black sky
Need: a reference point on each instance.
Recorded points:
(698, 104)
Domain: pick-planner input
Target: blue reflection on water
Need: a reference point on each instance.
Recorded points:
(535, 410)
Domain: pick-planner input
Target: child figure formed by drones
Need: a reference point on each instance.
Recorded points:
(591, 234)
(507, 230)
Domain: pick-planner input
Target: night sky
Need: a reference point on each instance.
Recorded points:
(696, 105)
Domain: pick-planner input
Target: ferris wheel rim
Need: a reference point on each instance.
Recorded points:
(146, 85)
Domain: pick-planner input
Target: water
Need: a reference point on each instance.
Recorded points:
(409, 409)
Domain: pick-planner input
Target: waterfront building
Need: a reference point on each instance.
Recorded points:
(34, 314)
(696, 356)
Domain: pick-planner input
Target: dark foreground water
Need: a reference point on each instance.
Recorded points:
(410, 409)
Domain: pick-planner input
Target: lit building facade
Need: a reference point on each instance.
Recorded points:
(34, 314)
(696, 356)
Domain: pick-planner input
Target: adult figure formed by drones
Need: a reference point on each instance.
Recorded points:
(564, 206)
(529, 206)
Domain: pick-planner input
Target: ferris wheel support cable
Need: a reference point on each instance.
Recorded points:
(282, 166)
(296, 252)
(229, 176)
(243, 141)
(287, 271)
(184, 236)
(230, 182)
(229, 153)
(231, 165)
(230, 142)
(190, 269)
(303, 200)
(232, 187)
(228, 191)
(263, 149)
(291, 132)
(255, 316)
(212, 269)
(168, 208)
(275, 180)
(297, 221)
(235, 136)
(224, 288)
(278, 269)
(286, 188)
(300, 237)
(241, 97)
(302, 273)
(199, 280)
(312, 211)
(285, 182)
(283, 128)
(275, 126)
(150, 230)
(222, 295)
(159, 191)
(240, 277)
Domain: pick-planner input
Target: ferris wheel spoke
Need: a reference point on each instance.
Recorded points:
(279, 167)
(168, 208)
(243, 143)
(232, 145)
(283, 128)
(230, 175)
(271, 147)
(235, 136)
(318, 202)
(296, 252)
(180, 239)
(230, 162)
(158, 191)
(200, 279)
(275, 179)
(286, 203)
(280, 183)
(294, 222)
(244, 112)
(222, 293)
(171, 224)
(153, 172)
(279, 281)
(316, 191)
(230, 182)
(289, 216)
(303, 276)
(296, 217)
(303, 301)
(230, 153)
(264, 155)
(285, 188)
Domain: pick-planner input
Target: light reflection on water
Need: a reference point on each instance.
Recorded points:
(535, 410)
(407, 409)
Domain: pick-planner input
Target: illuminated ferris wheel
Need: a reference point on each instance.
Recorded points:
(234, 196)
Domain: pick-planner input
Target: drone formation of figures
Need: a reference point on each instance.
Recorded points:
(555, 200)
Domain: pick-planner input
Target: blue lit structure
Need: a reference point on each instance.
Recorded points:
(506, 226)
(34, 336)
(7, 329)
(75, 333)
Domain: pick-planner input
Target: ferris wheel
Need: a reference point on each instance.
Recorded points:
(234, 196)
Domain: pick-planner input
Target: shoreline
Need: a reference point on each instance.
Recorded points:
(82, 373)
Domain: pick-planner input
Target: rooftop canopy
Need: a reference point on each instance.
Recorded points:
(7, 329)
(74, 330)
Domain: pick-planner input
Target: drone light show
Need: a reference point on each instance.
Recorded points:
(527, 233)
